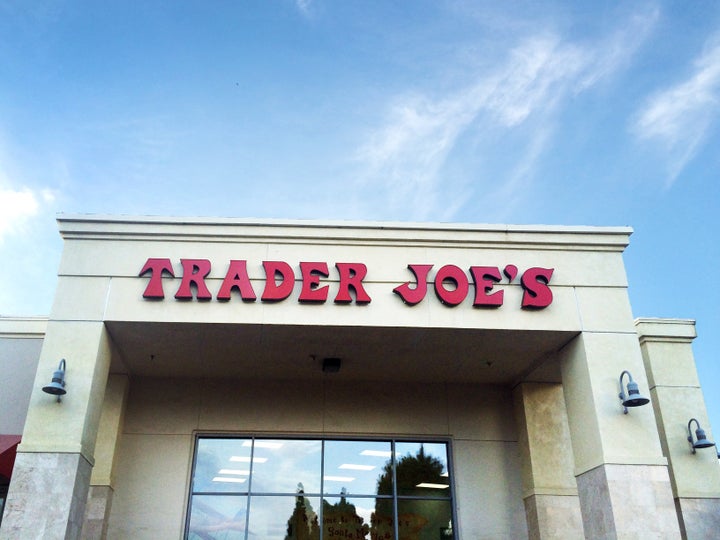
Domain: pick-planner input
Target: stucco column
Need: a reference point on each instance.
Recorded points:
(622, 476)
(677, 397)
(52, 472)
(550, 495)
(101, 491)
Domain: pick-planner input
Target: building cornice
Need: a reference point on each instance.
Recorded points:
(180, 229)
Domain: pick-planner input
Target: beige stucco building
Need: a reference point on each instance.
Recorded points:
(232, 378)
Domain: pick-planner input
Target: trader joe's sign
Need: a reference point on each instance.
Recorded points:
(450, 283)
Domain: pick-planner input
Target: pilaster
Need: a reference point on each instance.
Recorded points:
(621, 474)
(666, 346)
(100, 495)
(552, 506)
(50, 482)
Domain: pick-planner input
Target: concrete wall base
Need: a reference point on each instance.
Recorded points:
(627, 501)
(699, 518)
(47, 496)
(553, 517)
(97, 512)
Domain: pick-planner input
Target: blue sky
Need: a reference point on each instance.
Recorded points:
(572, 113)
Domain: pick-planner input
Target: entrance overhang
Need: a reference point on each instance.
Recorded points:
(253, 351)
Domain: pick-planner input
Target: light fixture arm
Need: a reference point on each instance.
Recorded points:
(622, 389)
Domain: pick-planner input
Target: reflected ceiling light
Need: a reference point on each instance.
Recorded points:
(376, 453)
(432, 486)
(272, 445)
(633, 398)
(234, 471)
(227, 479)
(700, 441)
(338, 478)
(354, 467)
(57, 386)
(246, 459)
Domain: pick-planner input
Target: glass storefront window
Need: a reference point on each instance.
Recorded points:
(214, 516)
(320, 489)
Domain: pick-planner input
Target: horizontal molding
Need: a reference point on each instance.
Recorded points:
(539, 237)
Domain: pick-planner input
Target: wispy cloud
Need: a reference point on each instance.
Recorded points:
(304, 6)
(404, 157)
(680, 116)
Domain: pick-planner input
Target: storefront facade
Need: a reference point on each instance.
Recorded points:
(272, 379)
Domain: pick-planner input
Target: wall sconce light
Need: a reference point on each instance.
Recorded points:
(700, 441)
(331, 365)
(634, 398)
(57, 386)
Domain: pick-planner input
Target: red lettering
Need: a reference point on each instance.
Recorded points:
(510, 271)
(156, 267)
(413, 295)
(451, 283)
(485, 278)
(237, 277)
(456, 276)
(194, 273)
(311, 274)
(351, 276)
(274, 291)
(537, 294)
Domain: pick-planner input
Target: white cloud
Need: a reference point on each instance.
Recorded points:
(403, 157)
(679, 117)
(18, 206)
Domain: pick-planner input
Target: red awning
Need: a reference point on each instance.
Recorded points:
(8, 449)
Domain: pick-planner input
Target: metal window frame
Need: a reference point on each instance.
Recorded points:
(253, 436)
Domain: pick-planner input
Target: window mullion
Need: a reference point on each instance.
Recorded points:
(393, 457)
(249, 488)
(321, 524)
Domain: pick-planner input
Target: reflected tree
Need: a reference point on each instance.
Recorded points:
(413, 516)
(303, 523)
(341, 520)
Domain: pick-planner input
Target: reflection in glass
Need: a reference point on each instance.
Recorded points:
(301, 489)
(222, 465)
(284, 518)
(424, 520)
(217, 517)
(347, 518)
(421, 470)
(355, 466)
(288, 462)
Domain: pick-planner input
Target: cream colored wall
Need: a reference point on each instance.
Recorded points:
(162, 415)
(69, 426)
(601, 433)
(98, 276)
(98, 281)
(20, 343)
